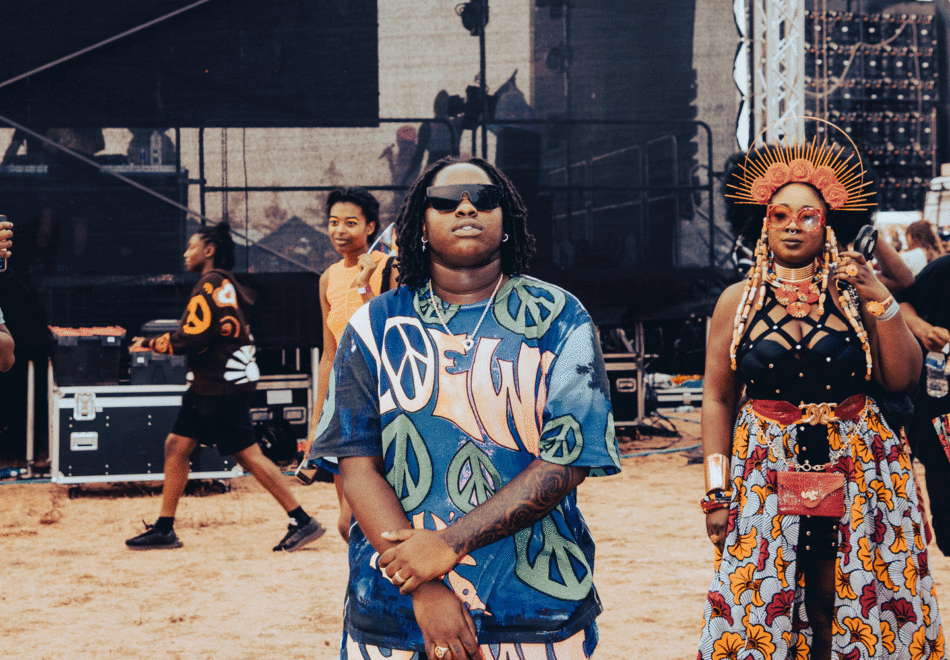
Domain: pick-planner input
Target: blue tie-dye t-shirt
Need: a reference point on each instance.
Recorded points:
(453, 427)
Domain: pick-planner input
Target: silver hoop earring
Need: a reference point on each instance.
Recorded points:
(424, 241)
(505, 239)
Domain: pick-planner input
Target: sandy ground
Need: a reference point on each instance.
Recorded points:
(69, 589)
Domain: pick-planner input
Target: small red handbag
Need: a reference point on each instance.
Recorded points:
(811, 493)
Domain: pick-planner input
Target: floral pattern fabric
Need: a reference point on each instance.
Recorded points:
(885, 604)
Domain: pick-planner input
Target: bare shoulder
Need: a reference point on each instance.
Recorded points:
(730, 298)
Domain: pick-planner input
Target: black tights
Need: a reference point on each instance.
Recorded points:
(818, 544)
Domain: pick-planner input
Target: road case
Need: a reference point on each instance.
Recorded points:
(114, 433)
(280, 410)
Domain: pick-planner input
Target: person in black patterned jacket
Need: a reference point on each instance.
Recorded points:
(215, 337)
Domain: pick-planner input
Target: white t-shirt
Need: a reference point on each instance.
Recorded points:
(915, 259)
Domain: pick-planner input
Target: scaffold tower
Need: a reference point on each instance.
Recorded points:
(770, 69)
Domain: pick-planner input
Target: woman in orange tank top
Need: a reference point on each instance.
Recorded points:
(346, 285)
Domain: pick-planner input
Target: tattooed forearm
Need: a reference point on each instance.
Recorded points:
(523, 501)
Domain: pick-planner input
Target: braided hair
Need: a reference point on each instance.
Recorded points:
(362, 198)
(414, 262)
(219, 236)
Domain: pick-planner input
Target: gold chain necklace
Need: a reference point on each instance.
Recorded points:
(468, 342)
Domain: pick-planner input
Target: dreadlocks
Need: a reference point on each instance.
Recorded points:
(219, 236)
(414, 262)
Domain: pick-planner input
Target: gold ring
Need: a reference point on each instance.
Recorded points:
(440, 651)
(714, 538)
(851, 270)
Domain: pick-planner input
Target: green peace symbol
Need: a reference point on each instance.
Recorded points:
(559, 550)
(557, 448)
(402, 437)
(534, 314)
(422, 304)
(483, 479)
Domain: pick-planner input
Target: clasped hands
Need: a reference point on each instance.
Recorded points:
(415, 564)
(420, 556)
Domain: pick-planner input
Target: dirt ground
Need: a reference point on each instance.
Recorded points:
(69, 589)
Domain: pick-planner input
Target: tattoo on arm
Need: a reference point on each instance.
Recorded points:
(525, 500)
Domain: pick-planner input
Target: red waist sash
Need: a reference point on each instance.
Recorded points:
(787, 413)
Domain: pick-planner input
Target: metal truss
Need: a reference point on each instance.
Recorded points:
(770, 69)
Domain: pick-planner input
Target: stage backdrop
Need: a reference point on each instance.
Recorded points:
(226, 63)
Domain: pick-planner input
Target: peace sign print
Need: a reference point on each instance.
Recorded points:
(552, 570)
(472, 479)
(411, 471)
(567, 442)
(422, 303)
(536, 306)
(409, 360)
(199, 316)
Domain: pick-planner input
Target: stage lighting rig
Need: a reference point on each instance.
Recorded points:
(474, 16)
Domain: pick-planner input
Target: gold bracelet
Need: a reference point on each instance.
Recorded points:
(717, 472)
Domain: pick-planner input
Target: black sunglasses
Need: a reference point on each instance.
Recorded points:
(483, 197)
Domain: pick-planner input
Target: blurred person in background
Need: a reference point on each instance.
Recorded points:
(926, 307)
(215, 410)
(345, 286)
(6, 339)
(923, 246)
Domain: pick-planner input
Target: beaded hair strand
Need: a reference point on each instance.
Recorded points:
(849, 303)
(756, 274)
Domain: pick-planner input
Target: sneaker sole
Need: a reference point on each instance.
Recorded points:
(307, 539)
(170, 546)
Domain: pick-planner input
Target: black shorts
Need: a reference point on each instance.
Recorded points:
(218, 421)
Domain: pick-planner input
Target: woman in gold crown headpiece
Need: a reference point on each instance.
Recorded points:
(810, 499)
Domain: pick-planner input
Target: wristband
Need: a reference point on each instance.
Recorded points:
(890, 312)
(719, 499)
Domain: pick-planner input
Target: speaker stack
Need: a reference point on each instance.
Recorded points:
(876, 77)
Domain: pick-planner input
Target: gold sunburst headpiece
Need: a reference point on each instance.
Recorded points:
(826, 166)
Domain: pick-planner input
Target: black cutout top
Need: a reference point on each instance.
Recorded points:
(811, 360)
